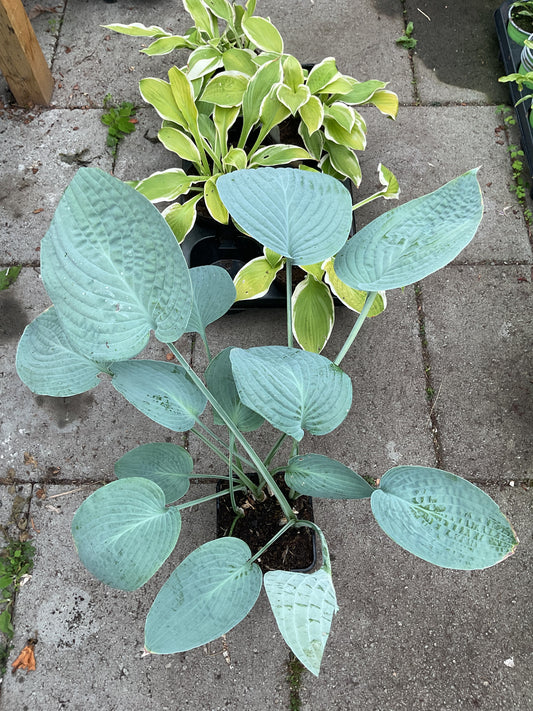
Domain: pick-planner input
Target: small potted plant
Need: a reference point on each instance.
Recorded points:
(241, 102)
(115, 273)
(520, 21)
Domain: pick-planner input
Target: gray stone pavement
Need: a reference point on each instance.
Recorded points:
(407, 635)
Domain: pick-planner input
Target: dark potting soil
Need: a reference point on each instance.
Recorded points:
(295, 550)
(524, 22)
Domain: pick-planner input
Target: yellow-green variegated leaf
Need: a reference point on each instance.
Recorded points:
(293, 75)
(203, 19)
(344, 115)
(313, 314)
(272, 111)
(263, 34)
(278, 154)
(341, 85)
(204, 60)
(136, 29)
(314, 143)
(255, 278)
(322, 74)
(362, 92)
(356, 138)
(344, 161)
(179, 143)
(312, 114)
(315, 269)
(213, 202)
(222, 9)
(183, 93)
(165, 45)
(293, 99)
(182, 216)
(386, 101)
(273, 258)
(226, 89)
(223, 120)
(389, 180)
(239, 60)
(236, 158)
(354, 299)
(166, 185)
(159, 94)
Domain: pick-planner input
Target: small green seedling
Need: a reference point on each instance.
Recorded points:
(407, 41)
(8, 276)
(119, 121)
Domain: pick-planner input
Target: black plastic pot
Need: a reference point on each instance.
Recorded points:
(510, 55)
(303, 536)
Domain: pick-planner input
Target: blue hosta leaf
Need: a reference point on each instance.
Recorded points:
(164, 463)
(303, 605)
(113, 269)
(292, 389)
(220, 381)
(124, 533)
(317, 475)
(48, 364)
(412, 241)
(213, 294)
(302, 215)
(442, 518)
(162, 391)
(210, 592)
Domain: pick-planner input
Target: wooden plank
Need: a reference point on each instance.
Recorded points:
(22, 61)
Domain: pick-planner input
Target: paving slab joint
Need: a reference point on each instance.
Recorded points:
(431, 394)
(414, 83)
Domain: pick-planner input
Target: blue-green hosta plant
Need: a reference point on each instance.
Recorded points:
(115, 274)
(239, 78)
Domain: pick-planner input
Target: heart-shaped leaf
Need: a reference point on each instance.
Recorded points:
(322, 74)
(312, 114)
(213, 294)
(293, 99)
(209, 593)
(412, 241)
(165, 185)
(304, 216)
(442, 518)
(303, 605)
(313, 314)
(113, 269)
(320, 476)
(162, 391)
(292, 389)
(203, 61)
(49, 365)
(164, 463)
(221, 383)
(124, 533)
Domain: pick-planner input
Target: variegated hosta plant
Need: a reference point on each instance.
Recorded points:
(115, 273)
(238, 76)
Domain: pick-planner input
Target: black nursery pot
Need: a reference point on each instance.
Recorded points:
(295, 551)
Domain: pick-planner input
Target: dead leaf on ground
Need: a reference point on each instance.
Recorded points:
(26, 659)
(28, 459)
(38, 10)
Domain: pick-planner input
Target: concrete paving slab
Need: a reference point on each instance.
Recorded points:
(38, 158)
(478, 329)
(91, 637)
(91, 61)
(72, 439)
(428, 146)
(409, 635)
(456, 58)
(361, 36)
